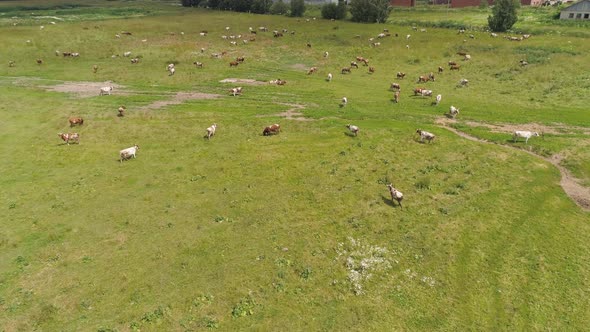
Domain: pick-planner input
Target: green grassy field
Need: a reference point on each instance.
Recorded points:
(295, 231)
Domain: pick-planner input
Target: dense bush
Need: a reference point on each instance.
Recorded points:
(279, 8)
(297, 8)
(332, 11)
(503, 15)
(190, 3)
(370, 11)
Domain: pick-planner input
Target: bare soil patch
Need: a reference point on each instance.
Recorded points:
(290, 114)
(570, 184)
(242, 81)
(300, 66)
(180, 98)
(86, 89)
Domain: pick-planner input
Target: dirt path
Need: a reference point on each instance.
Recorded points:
(570, 184)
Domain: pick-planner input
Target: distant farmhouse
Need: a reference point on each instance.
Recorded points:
(461, 3)
(577, 11)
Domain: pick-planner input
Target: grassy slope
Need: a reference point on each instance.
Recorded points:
(195, 227)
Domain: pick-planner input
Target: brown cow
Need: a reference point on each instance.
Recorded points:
(76, 121)
(312, 70)
(394, 86)
(371, 70)
(401, 75)
(455, 67)
(461, 53)
(396, 96)
(423, 79)
(39, 61)
(431, 77)
(234, 64)
(452, 63)
(240, 59)
(354, 64)
(198, 64)
(418, 91)
(70, 137)
(271, 130)
(440, 69)
(94, 68)
(345, 70)
(121, 110)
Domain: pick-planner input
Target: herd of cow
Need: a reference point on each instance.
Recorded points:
(274, 129)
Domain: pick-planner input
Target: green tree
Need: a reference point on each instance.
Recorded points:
(190, 3)
(261, 6)
(331, 11)
(279, 8)
(297, 8)
(503, 15)
(369, 11)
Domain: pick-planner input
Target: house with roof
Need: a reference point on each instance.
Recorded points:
(578, 11)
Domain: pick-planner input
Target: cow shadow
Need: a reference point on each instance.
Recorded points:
(387, 200)
(349, 134)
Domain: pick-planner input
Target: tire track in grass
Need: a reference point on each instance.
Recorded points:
(569, 183)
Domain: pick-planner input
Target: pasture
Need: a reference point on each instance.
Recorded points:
(294, 231)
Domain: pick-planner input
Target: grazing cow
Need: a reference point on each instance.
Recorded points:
(105, 90)
(121, 110)
(345, 70)
(281, 82)
(233, 43)
(523, 63)
(426, 93)
(211, 131)
(234, 64)
(126, 33)
(240, 59)
(418, 91)
(360, 59)
(467, 57)
(440, 69)
(277, 34)
(11, 63)
(312, 70)
(271, 130)
(236, 91)
(396, 195)
(70, 137)
(431, 77)
(329, 79)
(75, 54)
(94, 69)
(423, 79)
(365, 62)
(461, 53)
(401, 75)
(75, 121)
(376, 44)
(308, 45)
(394, 86)
(493, 34)
(126, 54)
(396, 97)
(453, 111)
(344, 101)
(135, 60)
(354, 64)
(128, 153)
(198, 64)
(424, 135)
(353, 129)
(524, 134)
(371, 70)
(39, 61)
(169, 66)
(438, 99)
(172, 71)
(452, 63)
(526, 36)
(326, 54)
(455, 67)
(463, 82)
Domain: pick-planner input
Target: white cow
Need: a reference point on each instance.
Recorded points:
(105, 90)
(329, 79)
(453, 111)
(524, 134)
(211, 131)
(353, 129)
(438, 99)
(425, 135)
(128, 153)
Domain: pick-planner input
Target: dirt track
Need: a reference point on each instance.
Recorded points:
(570, 184)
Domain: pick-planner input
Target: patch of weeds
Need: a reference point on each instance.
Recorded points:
(343, 153)
(244, 308)
(220, 219)
(279, 286)
(423, 183)
(155, 316)
(451, 191)
(21, 262)
(306, 273)
(414, 61)
(195, 178)
(86, 259)
(283, 262)
(443, 210)
(106, 329)
(362, 261)
(202, 300)
(355, 222)
(135, 326)
(86, 304)
(210, 322)
(12, 205)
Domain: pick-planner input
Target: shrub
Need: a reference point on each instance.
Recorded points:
(279, 8)
(369, 11)
(503, 15)
(297, 8)
(332, 11)
(190, 3)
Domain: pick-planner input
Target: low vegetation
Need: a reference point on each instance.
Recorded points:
(296, 230)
